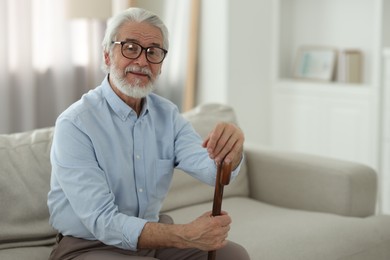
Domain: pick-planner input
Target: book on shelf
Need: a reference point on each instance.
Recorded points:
(350, 64)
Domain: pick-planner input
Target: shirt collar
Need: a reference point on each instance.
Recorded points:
(118, 106)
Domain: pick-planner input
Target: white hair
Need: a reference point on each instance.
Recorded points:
(133, 14)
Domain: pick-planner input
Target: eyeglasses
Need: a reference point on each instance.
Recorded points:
(132, 50)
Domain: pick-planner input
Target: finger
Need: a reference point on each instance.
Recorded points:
(224, 212)
(207, 214)
(232, 146)
(228, 151)
(223, 220)
(206, 141)
(224, 135)
(214, 137)
(221, 148)
(234, 153)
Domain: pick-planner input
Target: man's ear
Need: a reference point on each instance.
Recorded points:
(107, 59)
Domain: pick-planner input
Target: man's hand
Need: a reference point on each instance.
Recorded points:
(205, 233)
(225, 141)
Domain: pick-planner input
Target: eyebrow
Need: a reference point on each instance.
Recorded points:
(136, 41)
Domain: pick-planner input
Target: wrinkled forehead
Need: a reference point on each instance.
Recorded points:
(143, 33)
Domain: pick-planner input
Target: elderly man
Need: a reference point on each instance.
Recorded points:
(113, 157)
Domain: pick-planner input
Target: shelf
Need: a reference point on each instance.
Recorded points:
(330, 23)
(292, 85)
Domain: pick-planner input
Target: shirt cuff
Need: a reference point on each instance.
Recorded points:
(131, 232)
(237, 169)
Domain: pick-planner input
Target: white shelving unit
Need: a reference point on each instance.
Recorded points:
(329, 118)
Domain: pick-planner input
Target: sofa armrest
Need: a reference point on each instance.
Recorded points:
(309, 182)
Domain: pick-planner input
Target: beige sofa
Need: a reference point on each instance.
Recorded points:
(283, 205)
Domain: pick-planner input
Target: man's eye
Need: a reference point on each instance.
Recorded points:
(151, 52)
(155, 52)
(131, 47)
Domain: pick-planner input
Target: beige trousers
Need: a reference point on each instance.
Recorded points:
(71, 248)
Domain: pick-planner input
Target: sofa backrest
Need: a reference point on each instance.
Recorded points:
(25, 181)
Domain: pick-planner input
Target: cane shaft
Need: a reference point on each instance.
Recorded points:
(222, 178)
(212, 255)
(218, 194)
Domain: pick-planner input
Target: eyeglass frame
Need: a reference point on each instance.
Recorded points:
(122, 43)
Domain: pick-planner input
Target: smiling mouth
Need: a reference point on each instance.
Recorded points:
(138, 73)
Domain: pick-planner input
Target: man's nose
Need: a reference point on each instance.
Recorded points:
(142, 60)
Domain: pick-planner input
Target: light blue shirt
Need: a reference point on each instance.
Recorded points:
(111, 170)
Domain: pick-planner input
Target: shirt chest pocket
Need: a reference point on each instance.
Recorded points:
(163, 177)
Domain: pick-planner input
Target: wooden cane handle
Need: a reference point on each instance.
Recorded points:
(226, 170)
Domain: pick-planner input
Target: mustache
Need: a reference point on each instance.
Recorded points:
(137, 69)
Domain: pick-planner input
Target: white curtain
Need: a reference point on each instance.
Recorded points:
(46, 62)
(173, 81)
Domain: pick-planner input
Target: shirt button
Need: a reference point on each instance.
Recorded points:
(137, 156)
(140, 190)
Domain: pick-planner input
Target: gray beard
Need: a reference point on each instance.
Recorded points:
(131, 90)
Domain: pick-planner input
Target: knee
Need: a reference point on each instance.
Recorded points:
(166, 219)
(232, 251)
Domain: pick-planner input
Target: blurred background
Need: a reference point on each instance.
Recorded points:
(309, 76)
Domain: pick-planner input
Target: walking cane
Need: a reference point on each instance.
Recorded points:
(223, 178)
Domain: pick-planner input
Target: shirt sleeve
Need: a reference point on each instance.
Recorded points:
(85, 186)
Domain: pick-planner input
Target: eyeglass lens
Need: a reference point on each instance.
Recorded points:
(133, 50)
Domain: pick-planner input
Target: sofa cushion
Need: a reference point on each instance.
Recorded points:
(24, 183)
(270, 232)
(186, 190)
(26, 253)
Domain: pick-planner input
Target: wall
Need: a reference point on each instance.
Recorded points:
(213, 52)
(152, 5)
(249, 72)
(235, 61)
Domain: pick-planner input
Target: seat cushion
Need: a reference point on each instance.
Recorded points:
(26, 253)
(270, 232)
